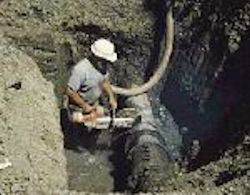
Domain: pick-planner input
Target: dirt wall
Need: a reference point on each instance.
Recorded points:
(30, 136)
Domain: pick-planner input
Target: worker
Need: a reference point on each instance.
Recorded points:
(89, 79)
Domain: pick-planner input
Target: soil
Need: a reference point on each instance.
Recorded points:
(42, 40)
(30, 136)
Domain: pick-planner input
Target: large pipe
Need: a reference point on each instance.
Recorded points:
(162, 66)
(146, 150)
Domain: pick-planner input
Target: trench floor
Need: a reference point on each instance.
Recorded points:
(93, 163)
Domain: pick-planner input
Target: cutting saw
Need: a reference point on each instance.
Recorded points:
(112, 121)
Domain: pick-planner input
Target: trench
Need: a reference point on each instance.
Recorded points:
(203, 96)
(107, 151)
(88, 153)
(181, 119)
(195, 104)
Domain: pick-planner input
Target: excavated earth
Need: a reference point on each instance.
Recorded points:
(30, 137)
(41, 40)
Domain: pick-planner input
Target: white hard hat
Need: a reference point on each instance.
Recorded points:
(103, 48)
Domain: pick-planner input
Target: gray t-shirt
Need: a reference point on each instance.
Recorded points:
(86, 80)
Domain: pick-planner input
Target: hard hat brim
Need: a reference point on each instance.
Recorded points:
(110, 57)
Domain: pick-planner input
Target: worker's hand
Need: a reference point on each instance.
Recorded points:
(99, 111)
(92, 116)
(89, 109)
(113, 103)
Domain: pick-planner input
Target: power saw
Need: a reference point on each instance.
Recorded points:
(112, 121)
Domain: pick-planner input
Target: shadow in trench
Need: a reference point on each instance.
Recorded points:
(87, 168)
(234, 88)
(219, 123)
(119, 160)
(109, 170)
(158, 9)
(77, 137)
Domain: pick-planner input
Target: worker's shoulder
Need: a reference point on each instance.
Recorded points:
(82, 65)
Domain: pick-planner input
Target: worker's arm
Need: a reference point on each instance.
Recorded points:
(75, 81)
(77, 99)
(107, 88)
